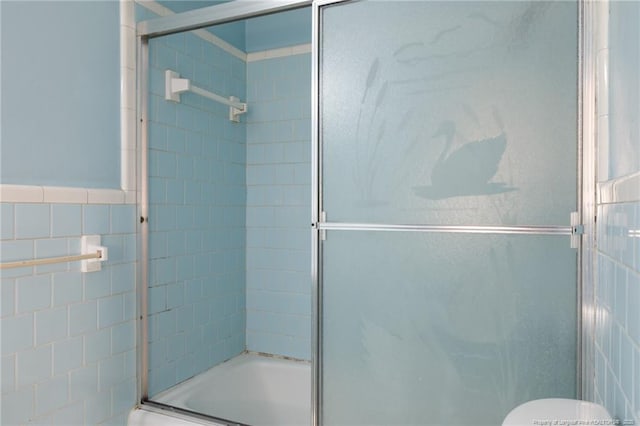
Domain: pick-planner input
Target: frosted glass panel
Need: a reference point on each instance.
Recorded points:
(449, 112)
(444, 329)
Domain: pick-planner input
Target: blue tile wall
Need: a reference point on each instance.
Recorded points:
(197, 214)
(68, 338)
(617, 337)
(278, 206)
(618, 310)
(278, 30)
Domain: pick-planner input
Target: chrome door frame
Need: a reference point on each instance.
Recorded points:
(589, 11)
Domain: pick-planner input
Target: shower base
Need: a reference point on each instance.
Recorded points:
(251, 389)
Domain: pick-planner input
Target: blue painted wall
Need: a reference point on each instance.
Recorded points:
(233, 32)
(617, 358)
(197, 214)
(624, 89)
(278, 201)
(278, 30)
(60, 93)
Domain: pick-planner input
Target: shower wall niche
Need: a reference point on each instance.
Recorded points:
(229, 242)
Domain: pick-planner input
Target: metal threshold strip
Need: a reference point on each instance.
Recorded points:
(162, 408)
(462, 229)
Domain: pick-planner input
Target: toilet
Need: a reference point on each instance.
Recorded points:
(554, 411)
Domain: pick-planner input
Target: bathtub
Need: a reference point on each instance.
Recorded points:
(250, 388)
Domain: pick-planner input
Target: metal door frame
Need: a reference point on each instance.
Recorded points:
(145, 31)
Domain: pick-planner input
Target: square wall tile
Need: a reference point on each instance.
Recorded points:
(97, 346)
(123, 337)
(111, 371)
(18, 407)
(32, 221)
(83, 382)
(6, 221)
(97, 284)
(83, 318)
(626, 366)
(115, 244)
(51, 325)
(34, 365)
(16, 250)
(130, 306)
(8, 373)
(69, 415)
(95, 219)
(66, 220)
(123, 278)
(123, 219)
(67, 355)
(633, 314)
(33, 293)
(110, 311)
(17, 333)
(123, 397)
(636, 385)
(51, 248)
(8, 297)
(52, 394)
(98, 407)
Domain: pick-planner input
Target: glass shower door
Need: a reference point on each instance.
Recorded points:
(447, 177)
(439, 329)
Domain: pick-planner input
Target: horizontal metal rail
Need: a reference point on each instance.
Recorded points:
(162, 408)
(462, 229)
(50, 260)
(215, 97)
(214, 15)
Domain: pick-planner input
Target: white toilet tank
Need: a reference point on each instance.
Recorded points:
(557, 411)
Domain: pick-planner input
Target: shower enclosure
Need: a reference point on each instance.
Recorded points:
(443, 181)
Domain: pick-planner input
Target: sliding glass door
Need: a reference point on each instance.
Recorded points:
(446, 178)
